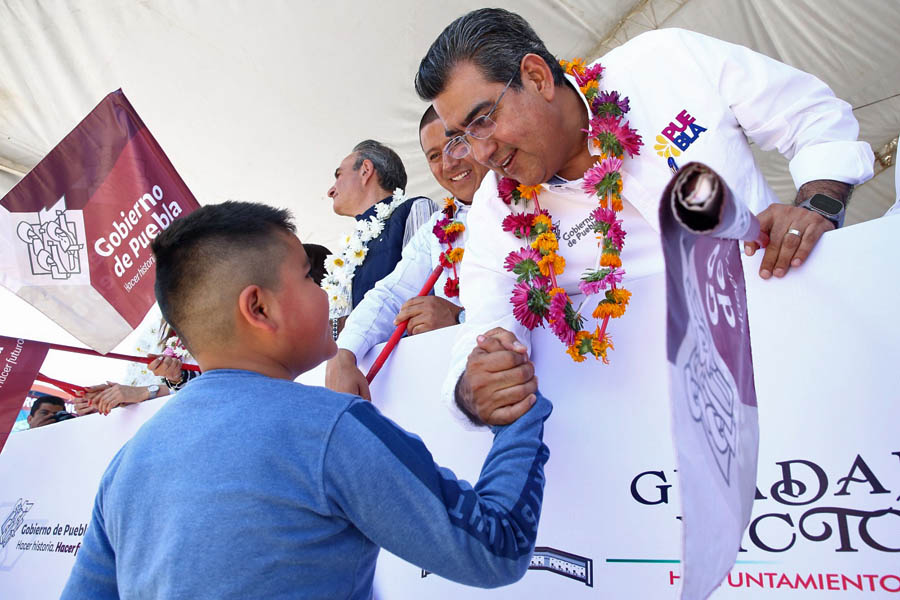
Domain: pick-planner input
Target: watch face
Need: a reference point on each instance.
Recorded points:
(826, 204)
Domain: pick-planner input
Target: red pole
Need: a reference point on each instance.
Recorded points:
(69, 388)
(139, 359)
(398, 333)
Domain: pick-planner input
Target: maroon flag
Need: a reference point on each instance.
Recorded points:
(714, 414)
(20, 361)
(75, 232)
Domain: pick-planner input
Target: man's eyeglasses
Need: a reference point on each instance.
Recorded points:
(481, 129)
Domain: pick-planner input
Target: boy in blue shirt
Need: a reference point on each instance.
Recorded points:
(246, 484)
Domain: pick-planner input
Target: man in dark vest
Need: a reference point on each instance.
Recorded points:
(364, 186)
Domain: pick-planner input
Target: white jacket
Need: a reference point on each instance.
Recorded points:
(372, 321)
(723, 94)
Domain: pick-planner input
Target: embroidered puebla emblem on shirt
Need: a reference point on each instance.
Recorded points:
(676, 137)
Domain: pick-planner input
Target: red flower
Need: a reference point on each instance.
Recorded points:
(451, 287)
(445, 262)
(518, 224)
(438, 230)
(506, 187)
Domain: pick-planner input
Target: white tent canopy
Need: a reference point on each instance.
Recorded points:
(261, 100)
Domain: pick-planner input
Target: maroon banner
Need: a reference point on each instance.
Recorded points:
(20, 361)
(78, 227)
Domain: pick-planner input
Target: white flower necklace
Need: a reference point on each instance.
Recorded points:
(340, 267)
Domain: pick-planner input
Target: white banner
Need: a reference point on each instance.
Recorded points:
(827, 514)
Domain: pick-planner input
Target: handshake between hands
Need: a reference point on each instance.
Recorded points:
(499, 384)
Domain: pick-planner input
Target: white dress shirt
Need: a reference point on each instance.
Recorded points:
(372, 321)
(726, 93)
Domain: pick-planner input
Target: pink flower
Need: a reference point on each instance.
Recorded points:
(594, 176)
(589, 288)
(616, 235)
(526, 300)
(605, 215)
(517, 256)
(518, 224)
(557, 319)
(592, 72)
(614, 104)
(505, 188)
(630, 140)
(614, 277)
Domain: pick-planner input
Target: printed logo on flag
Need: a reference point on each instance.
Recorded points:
(53, 242)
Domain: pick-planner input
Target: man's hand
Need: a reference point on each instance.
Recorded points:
(779, 222)
(166, 366)
(498, 385)
(427, 313)
(342, 375)
(111, 395)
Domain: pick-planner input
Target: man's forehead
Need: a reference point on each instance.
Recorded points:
(432, 136)
(467, 90)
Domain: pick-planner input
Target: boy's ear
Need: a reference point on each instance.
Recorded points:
(255, 307)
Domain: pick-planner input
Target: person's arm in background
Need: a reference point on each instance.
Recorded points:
(385, 481)
(785, 109)
(372, 321)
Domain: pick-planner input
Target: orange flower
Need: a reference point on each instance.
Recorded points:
(600, 347)
(610, 259)
(573, 66)
(545, 243)
(455, 255)
(575, 349)
(455, 227)
(620, 296)
(555, 291)
(543, 220)
(592, 84)
(530, 191)
(449, 202)
(552, 260)
(608, 309)
(617, 202)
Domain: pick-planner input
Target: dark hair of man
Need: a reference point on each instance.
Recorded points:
(54, 400)
(205, 259)
(316, 255)
(388, 166)
(429, 117)
(495, 40)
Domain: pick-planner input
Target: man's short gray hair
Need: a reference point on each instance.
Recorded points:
(388, 166)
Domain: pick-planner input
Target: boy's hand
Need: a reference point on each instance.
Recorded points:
(342, 375)
(498, 385)
(427, 313)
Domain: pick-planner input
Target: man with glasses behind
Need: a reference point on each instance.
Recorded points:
(505, 100)
(393, 300)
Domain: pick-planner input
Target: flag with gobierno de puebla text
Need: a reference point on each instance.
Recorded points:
(75, 232)
(20, 361)
(713, 396)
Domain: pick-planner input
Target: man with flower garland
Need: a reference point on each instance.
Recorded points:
(393, 299)
(368, 186)
(568, 166)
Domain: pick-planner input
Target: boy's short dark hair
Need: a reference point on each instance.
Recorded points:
(316, 254)
(54, 400)
(493, 39)
(205, 258)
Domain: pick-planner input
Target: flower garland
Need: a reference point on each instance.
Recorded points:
(339, 269)
(536, 296)
(447, 230)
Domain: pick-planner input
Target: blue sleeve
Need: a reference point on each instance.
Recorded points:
(93, 576)
(384, 480)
